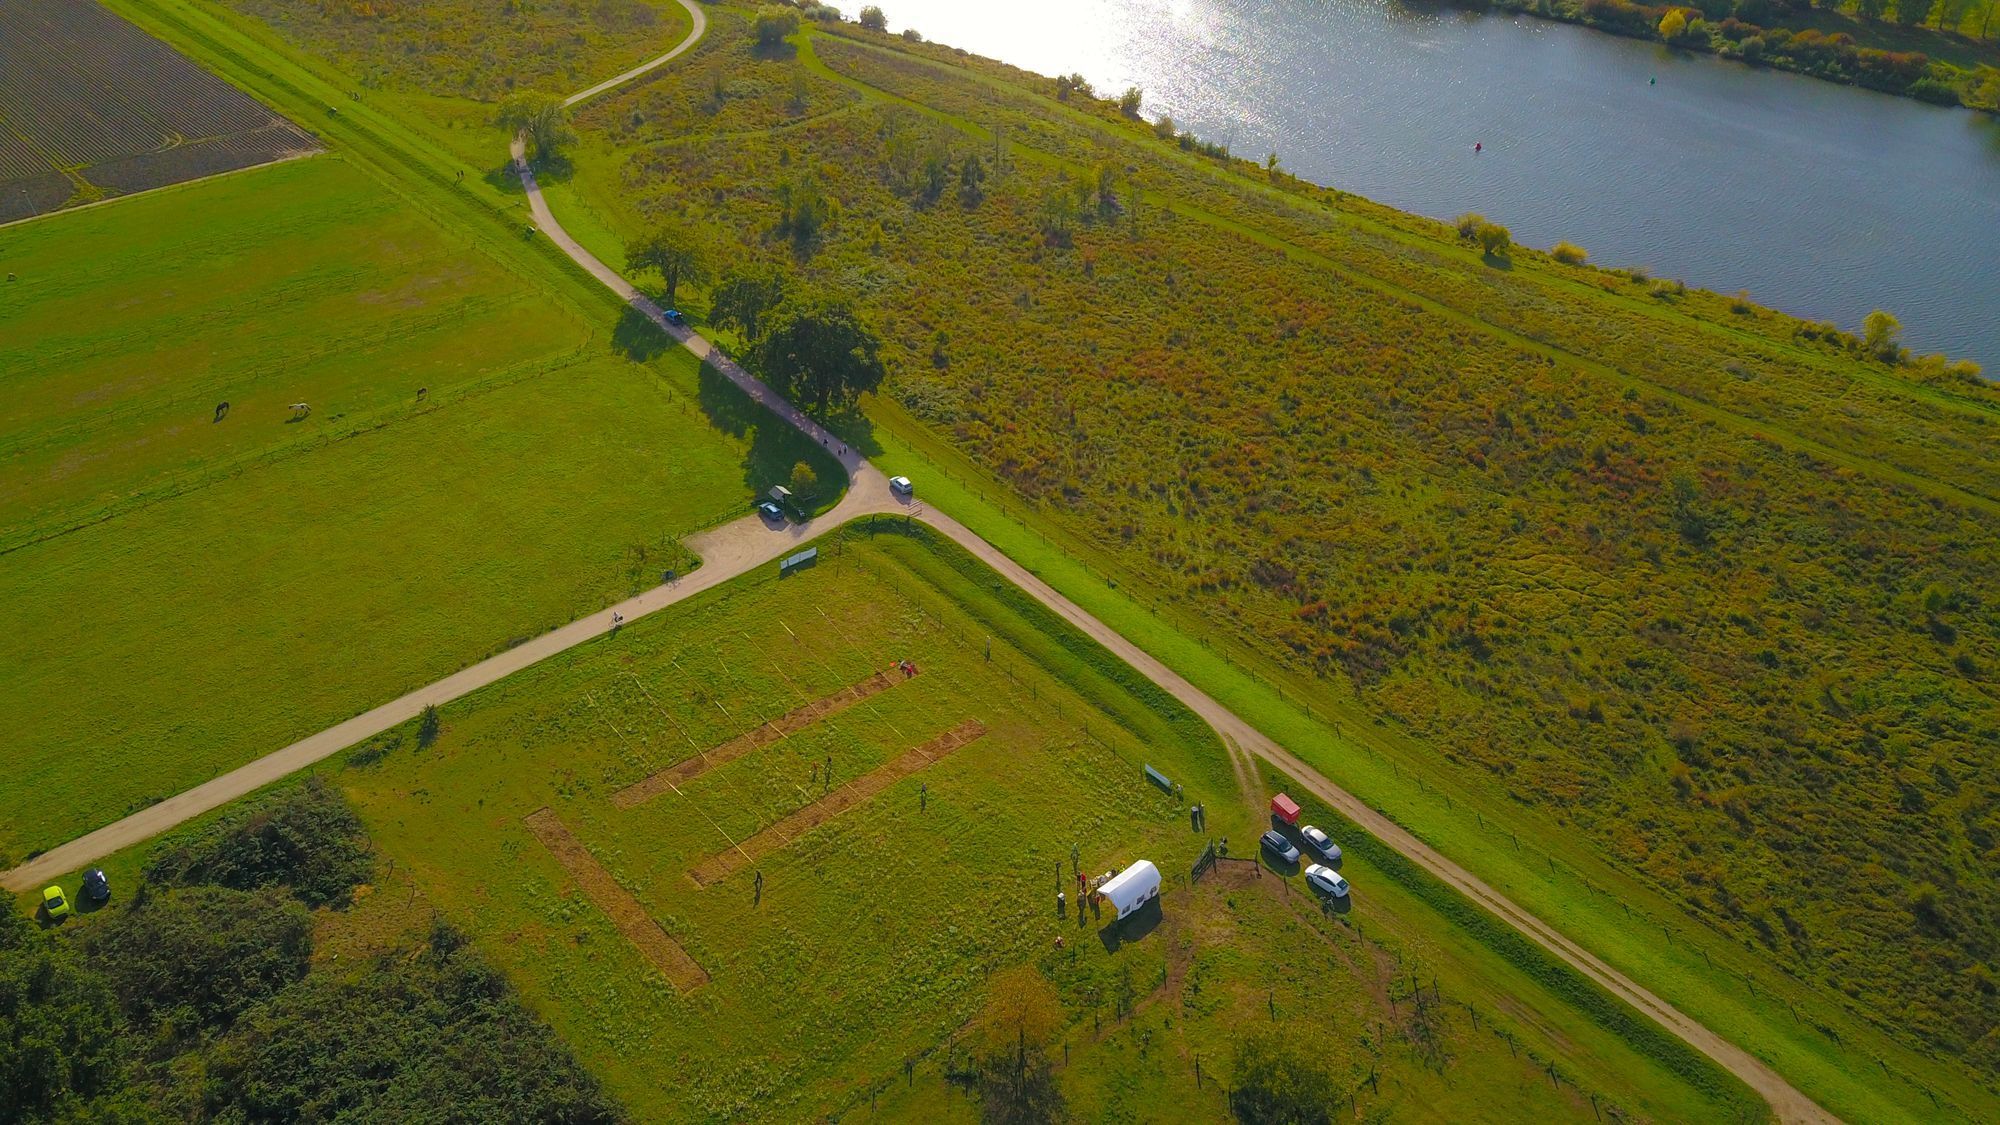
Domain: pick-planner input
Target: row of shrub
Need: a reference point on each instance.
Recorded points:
(1738, 29)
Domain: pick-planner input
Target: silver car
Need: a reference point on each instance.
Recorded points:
(1321, 843)
(1326, 881)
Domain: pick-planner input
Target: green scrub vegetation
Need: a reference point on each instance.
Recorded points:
(1692, 587)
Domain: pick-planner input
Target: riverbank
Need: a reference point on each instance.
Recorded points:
(1832, 56)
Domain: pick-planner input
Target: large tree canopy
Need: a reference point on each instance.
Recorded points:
(818, 352)
(745, 297)
(542, 116)
(675, 251)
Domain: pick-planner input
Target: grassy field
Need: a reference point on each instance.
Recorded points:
(1655, 579)
(126, 327)
(186, 589)
(872, 937)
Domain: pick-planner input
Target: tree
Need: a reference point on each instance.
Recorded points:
(1882, 336)
(1128, 102)
(744, 297)
(428, 727)
(1468, 225)
(541, 117)
(1870, 9)
(1494, 239)
(1910, 13)
(1011, 1037)
(971, 180)
(1280, 1082)
(804, 211)
(873, 19)
(674, 251)
(804, 482)
(61, 1034)
(1674, 24)
(818, 353)
(774, 24)
(937, 175)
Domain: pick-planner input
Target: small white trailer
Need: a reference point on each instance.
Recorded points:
(1132, 888)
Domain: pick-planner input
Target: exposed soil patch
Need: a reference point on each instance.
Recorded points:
(617, 903)
(784, 726)
(721, 865)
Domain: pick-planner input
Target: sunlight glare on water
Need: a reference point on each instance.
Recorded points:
(1820, 199)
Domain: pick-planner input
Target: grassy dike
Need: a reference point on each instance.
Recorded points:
(1809, 1039)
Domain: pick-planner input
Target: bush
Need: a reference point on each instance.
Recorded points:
(60, 1028)
(201, 955)
(1569, 253)
(1881, 336)
(1494, 239)
(409, 1036)
(1281, 1082)
(304, 837)
(773, 26)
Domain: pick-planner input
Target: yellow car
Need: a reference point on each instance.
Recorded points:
(54, 904)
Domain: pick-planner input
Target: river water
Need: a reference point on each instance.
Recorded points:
(1822, 200)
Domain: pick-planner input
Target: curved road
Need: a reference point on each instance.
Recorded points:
(738, 547)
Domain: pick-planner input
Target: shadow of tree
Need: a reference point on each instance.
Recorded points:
(850, 425)
(637, 338)
(774, 446)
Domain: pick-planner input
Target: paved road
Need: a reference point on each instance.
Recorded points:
(735, 548)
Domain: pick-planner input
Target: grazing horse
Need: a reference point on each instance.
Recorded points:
(221, 412)
(421, 392)
(300, 410)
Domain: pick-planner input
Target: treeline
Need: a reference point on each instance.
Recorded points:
(196, 999)
(1751, 31)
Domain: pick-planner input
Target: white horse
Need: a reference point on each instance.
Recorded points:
(300, 410)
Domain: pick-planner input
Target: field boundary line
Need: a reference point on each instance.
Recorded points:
(723, 864)
(617, 903)
(765, 733)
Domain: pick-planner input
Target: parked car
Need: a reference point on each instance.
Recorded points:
(674, 317)
(96, 888)
(1274, 842)
(54, 904)
(1326, 881)
(1321, 843)
(901, 486)
(771, 511)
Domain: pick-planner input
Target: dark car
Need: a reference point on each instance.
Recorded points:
(1274, 842)
(96, 888)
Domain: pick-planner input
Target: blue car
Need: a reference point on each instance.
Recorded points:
(1274, 842)
(674, 317)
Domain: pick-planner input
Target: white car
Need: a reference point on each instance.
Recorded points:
(1326, 881)
(901, 486)
(1321, 843)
